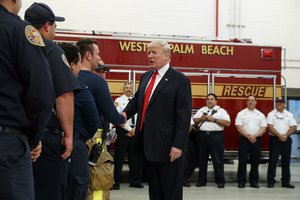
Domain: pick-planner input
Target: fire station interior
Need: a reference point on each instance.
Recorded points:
(270, 26)
(231, 190)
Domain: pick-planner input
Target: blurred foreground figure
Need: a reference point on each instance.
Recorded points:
(26, 100)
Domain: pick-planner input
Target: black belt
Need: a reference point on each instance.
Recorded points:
(210, 132)
(132, 126)
(8, 129)
(79, 136)
(52, 130)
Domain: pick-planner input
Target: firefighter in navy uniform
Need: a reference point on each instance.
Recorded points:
(26, 100)
(51, 170)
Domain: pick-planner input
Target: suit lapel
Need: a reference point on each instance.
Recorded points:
(162, 83)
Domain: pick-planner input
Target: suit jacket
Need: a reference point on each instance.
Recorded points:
(167, 117)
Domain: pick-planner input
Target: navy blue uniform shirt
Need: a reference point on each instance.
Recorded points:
(26, 90)
(62, 76)
(99, 90)
(86, 119)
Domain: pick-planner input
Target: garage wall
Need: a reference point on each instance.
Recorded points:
(271, 22)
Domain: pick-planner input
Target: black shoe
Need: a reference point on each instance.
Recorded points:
(287, 185)
(254, 185)
(241, 185)
(200, 184)
(221, 185)
(115, 187)
(270, 185)
(186, 184)
(136, 185)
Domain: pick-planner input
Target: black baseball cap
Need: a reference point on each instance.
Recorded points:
(39, 13)
(280, 100)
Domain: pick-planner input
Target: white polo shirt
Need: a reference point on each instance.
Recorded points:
(281, 121)
(120, 103)
(251, 120)
(218, 113)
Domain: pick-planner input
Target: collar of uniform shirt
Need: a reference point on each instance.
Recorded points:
(215, 108)
(280, 115)
(251, 110)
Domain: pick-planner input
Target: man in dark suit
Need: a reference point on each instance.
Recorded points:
(163, 104)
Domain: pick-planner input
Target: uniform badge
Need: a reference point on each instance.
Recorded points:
(33, 36)
(65, 60)
(116, 104)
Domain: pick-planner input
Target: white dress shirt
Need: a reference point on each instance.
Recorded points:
(281, 121)
(251, 120)
(120, 103)
(220, 113)
(161, 73)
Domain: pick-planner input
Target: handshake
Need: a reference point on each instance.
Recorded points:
(125, 117)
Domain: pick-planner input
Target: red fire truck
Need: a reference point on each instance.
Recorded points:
(232, 70)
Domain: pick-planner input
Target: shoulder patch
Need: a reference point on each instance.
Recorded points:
(33, 36)
(116, 104)
(65, 60)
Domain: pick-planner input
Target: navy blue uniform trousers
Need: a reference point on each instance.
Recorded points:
(16, 179)
(50, 170)
(211, 144)
(125, 145)
(284, 149)
(254, 152)
(78, 177)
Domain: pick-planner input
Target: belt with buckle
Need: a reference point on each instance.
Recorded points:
(9, 129)
(210, 132)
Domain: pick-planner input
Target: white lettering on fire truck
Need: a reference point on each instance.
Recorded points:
(217, 50)
(243, 91)
(142, 46)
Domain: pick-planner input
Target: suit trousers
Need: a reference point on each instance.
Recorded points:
(254, 152)
(16, 178)
(211, 144)
(165, 179)
(191, 156)
(125, 144)
(51, 171)
(279, 148)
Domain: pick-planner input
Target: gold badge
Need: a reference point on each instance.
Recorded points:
(65, 60)
(33, 36)
(116, 104)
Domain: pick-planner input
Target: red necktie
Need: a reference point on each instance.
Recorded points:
(147, 97)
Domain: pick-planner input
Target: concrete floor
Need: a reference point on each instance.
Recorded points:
(229, 192)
